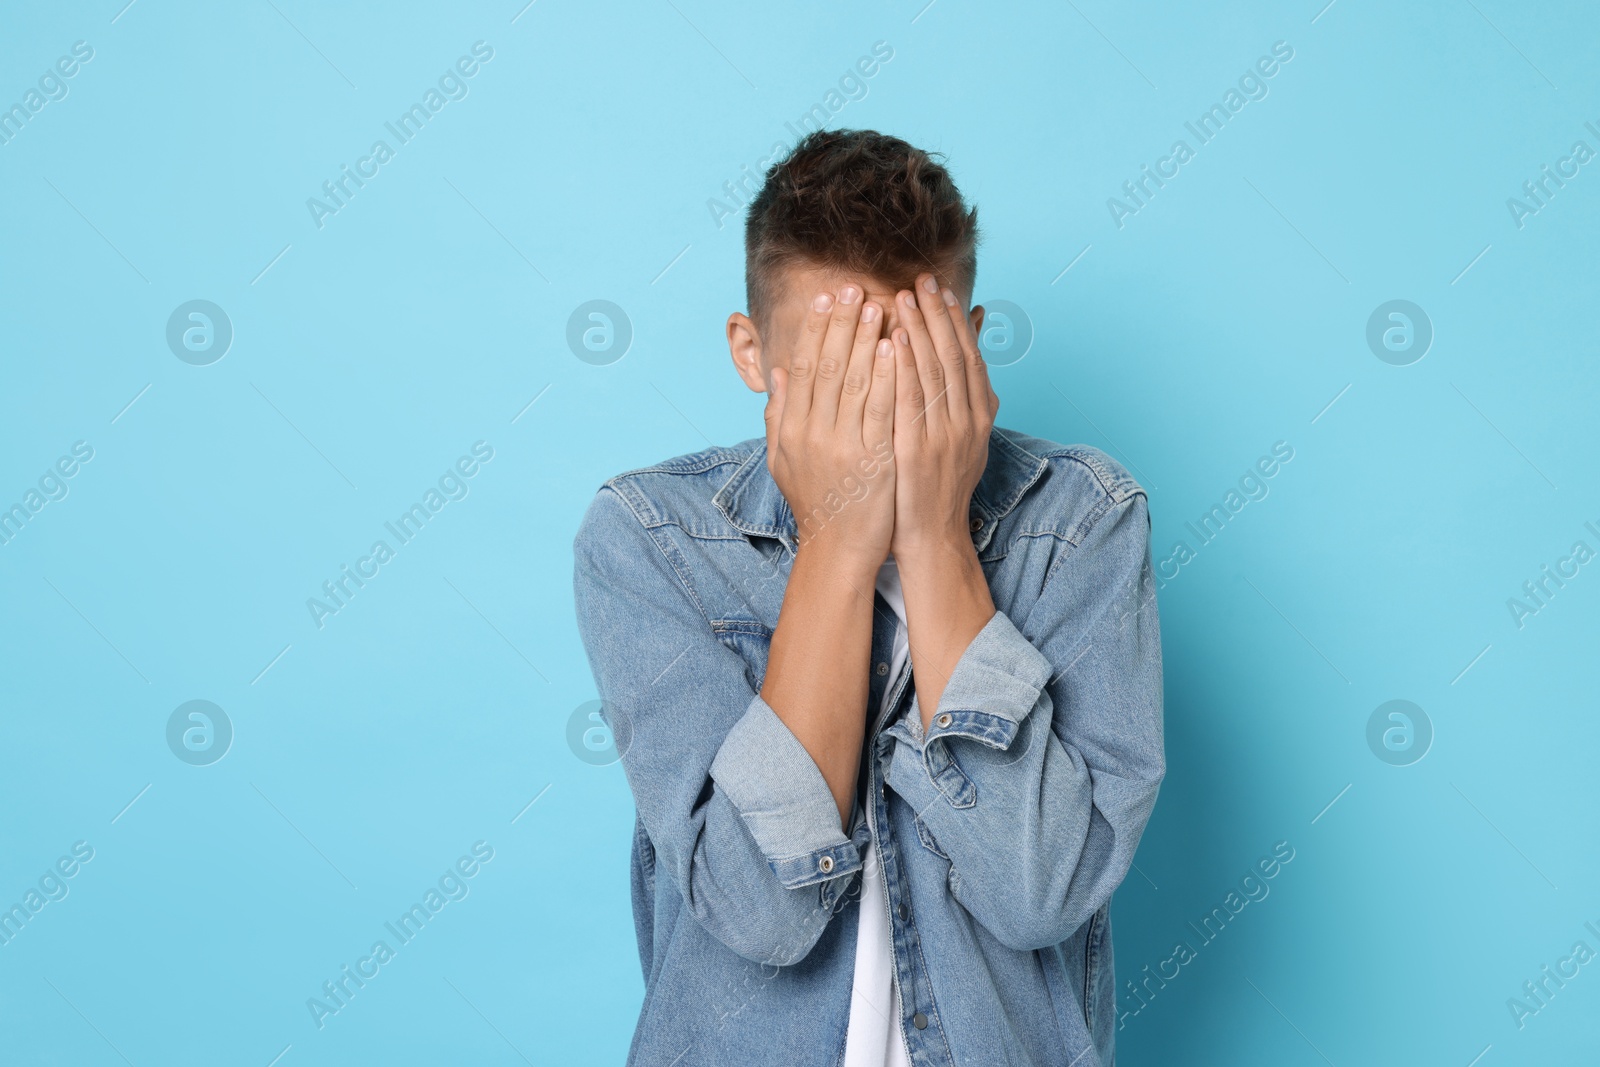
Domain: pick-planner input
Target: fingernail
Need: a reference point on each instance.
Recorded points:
(929, 285)
(949, 297)
(823, 302)
(868, 313)
(849, 294)
(902, 338)
(885, 349)
(908, 299)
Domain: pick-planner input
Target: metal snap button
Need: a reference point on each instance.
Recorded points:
(976, 524)
(943, 720)
(920, 1021)
(825, 864)
(883, 668)
(904, 912)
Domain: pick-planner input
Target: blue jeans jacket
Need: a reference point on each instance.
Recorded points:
(1001, 834)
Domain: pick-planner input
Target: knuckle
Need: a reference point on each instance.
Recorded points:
(878, 410)
(827, 367)
(854, 383)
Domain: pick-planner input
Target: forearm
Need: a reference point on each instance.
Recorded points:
(817, 667)
(947, 603)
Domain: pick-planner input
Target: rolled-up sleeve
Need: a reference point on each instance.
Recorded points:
(785, 803)
(1043, 760)
(738, 812)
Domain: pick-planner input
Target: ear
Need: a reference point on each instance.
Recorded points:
(977, 330)
(744, 345)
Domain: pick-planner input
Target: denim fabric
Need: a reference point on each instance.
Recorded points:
(1001, 834)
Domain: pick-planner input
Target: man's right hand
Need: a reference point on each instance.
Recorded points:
(830, 430)
(830, 448)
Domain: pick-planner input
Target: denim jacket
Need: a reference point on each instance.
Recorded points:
(1002, 833)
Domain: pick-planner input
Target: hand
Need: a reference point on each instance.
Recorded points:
(944, 409)
(830, 424)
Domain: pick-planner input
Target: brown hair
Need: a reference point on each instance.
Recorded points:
(858, 200)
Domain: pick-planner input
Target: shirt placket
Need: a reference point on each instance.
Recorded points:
(916, 996)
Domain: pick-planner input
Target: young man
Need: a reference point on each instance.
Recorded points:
(886, 682)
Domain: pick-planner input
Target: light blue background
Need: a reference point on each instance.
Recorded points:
(426, 715)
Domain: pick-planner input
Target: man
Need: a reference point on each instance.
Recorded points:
(886, 682)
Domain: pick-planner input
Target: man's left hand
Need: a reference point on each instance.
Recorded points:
(944, 409)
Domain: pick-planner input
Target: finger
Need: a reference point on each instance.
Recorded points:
(858, 374)
(980, 391)
(947, 346)
(834, 359)
(803, 363)
(910, 399)
(877, 417)
(930, 373)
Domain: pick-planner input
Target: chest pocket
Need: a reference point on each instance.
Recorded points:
(752, 640)
(929, 842)
(926, 837)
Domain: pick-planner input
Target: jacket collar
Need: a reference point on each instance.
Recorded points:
(756, 507)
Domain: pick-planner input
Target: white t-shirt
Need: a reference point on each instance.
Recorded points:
(874, 1038)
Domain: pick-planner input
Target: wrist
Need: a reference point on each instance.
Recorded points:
(938, 547)
(838, 559)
